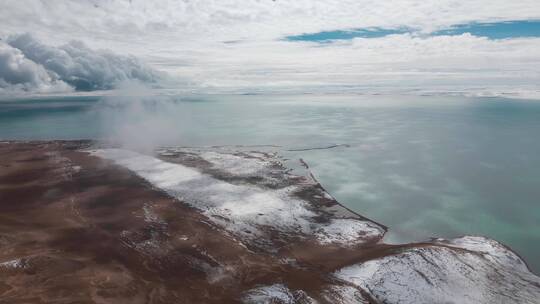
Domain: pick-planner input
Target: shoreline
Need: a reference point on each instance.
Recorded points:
(84, 213)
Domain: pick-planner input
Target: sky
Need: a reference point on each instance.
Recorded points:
(480, 47)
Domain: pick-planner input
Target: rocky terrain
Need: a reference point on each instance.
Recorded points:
(86, 222)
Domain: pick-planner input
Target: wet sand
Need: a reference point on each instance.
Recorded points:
(76, 228)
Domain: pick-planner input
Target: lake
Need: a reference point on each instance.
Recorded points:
(425, 166)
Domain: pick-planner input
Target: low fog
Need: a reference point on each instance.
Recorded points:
(138, 119)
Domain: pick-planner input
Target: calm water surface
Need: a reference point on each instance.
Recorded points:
(424, 166)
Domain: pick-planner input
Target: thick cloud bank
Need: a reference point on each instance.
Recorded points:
(18, 73)
(28, 65)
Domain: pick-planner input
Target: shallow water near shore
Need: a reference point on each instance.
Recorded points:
(424, 166)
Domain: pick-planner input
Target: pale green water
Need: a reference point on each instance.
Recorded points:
(424, 166)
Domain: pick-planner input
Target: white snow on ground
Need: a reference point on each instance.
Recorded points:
(438, 274)
(343, 295)
(150, 216)
(276, 294)
(17, 263)
(241, 209)
(234, 164)
(491, 250)
(345, 231)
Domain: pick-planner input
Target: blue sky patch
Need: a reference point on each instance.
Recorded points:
(495, 30)
(346, 35)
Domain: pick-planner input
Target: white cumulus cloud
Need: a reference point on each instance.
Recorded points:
(18, 73)
(28, 65)
(238, 45)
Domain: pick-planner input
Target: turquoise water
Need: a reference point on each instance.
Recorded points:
(424, 166)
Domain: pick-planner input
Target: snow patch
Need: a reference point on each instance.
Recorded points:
(490, 249)
(243, 210)
(276, 294)
(13, 264)
(344, 295)
(347, 231)
(441, 274)
(150, 216)
(234, 164)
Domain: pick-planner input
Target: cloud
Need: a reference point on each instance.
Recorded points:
(28, 65)
(217, 20)
(395, 62)
(237, 45)
(18, 73)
